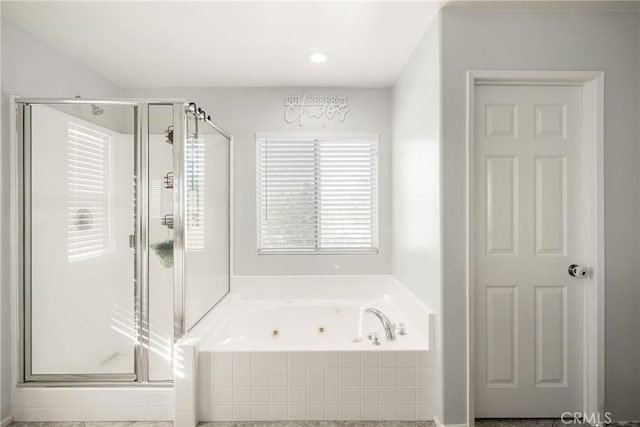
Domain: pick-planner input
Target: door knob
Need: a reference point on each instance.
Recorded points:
(578, 271)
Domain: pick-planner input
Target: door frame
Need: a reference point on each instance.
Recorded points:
(592, 84)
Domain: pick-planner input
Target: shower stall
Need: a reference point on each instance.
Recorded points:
(123, 235)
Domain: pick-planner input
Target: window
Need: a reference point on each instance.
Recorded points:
(89, 187)
(195, 169)
(317, 195)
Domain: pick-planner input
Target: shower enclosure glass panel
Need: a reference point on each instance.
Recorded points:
(81, 209)
(123, 235)
(206, 256)
(161, 236)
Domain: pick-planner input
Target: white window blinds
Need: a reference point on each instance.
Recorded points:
(195, 179)
(89, 186)
(317, 195)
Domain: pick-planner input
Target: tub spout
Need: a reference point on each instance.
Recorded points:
(389, 328)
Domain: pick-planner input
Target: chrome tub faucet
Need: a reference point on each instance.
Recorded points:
(389, 328)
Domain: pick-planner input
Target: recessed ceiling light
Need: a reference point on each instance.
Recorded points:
(317, 57)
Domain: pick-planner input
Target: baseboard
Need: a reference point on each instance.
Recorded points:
(437, 422)
(6, 421)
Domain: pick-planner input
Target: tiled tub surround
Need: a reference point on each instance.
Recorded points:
(320, 365)
(367, 385)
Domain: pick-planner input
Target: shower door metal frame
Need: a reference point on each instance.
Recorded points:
(141, 288)
(180, 193)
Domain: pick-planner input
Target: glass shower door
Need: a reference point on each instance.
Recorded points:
(206, 218)
(79, 206)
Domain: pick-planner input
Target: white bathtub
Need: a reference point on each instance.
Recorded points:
(285, 321)
(310, 325)
(296, 348)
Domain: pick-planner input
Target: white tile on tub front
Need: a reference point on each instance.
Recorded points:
(241, 360)
(297, 413)
(223, 360)
(388, 412)
(388, 359)
(279, 360)
(333, 377)
(224, 378)
(297, 396)
(297, 359)
(407, 395)
(297, 378)
(333, 396)
(333, 413)
(351, 396)
(351, 376)
(371, 396)
(242, 377)
(315, 396)
(370, 413)
(333, 359)
(388, 376)
(370, 377)
(260, 377)
(426, 377)
(241, 413)
(260, 360)
(423, 359)
(407, 359)
(315, 377)
(260, 413)
(351, 359)
(388, 396)
(424, 412)
(205, 362)
(406, 413)
(260, 396)
(278, 396)
(351, 413)
(315, 359)
(223, 396)
(370, 359)
(278, 413)
(407, 377)
(425, 395)
(315, 413)
(223, 413)
(241, 396)
(278, 378)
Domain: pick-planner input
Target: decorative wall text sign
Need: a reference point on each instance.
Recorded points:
(299, 107)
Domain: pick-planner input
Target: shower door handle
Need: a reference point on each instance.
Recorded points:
(132, 241)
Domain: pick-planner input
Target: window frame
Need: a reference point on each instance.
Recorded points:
(300, 136)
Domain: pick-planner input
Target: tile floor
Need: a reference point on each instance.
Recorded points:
(479, 423)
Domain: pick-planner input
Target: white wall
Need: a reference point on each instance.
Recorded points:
(31, 68)
(243, 112)
(415, 182)
(550, 40)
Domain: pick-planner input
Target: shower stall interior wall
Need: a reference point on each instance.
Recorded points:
(124, 244)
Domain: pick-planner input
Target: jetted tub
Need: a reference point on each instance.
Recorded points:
(311, 325)
(296, 348)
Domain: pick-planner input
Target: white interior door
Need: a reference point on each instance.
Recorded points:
(528, 228)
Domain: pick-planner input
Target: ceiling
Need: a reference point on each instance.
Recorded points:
(164, 44)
